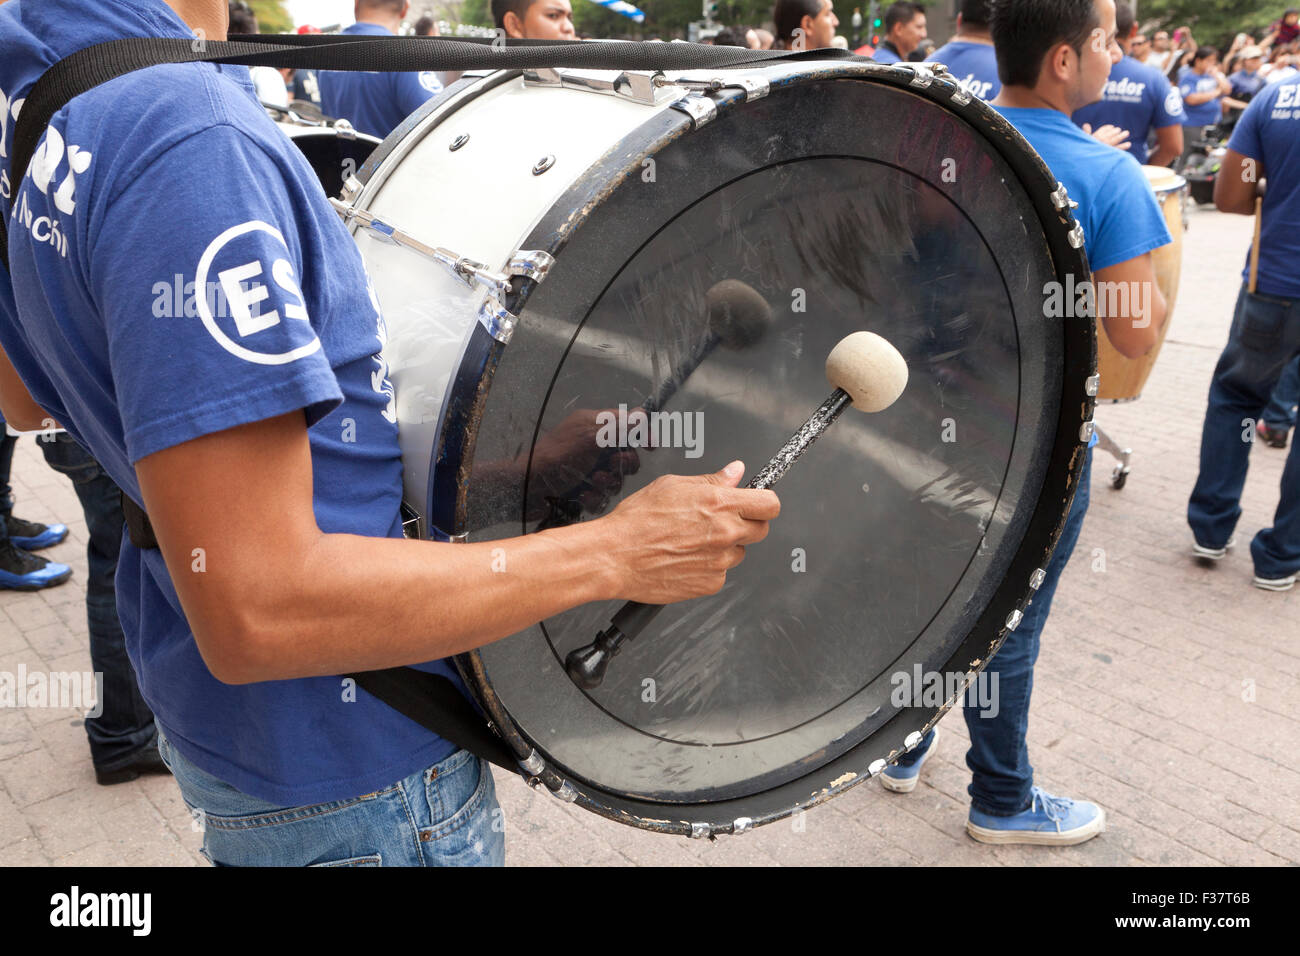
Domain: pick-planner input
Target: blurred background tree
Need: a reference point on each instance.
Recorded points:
(1212, 21)
(271, 15)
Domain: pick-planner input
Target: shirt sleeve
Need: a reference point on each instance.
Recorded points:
(1169, 104)
(1131, 223)
(197, 269)
(414, 89)
(1245, 137)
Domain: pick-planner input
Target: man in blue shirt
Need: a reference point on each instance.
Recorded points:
(1248, 81)
(969, 54)
(376, 103)
(1138, 99)
(184, 300)
(904, 30)
(1264, 337)
(1053, 58)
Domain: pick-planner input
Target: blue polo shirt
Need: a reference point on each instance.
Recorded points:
(1117, 208)
(374, 103)
(1269, 132)
(1136, 98)
(973, 65)
(885, 55)
(1202, 114)
(176, 271)
(1246, 85)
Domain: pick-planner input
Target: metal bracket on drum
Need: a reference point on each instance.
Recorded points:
(701, 109)
(1061, 198)
(639, 86)
(754, 87)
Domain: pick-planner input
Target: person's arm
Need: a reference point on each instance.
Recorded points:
(270, 597)
(1233, 104)
(19, 408)
(1237, 183)
(1109, 134)
(1169, 145)
(1133, 315)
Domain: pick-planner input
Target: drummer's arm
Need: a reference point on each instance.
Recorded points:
(1169, 145)
(269, 596)
(20, 409)
(1237, 184)
(1134, 328)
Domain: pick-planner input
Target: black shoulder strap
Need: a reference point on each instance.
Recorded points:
(88, 68)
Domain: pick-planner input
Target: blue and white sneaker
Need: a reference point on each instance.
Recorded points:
(898, 779)
(20, 571)
(1049, 821)
(32, 535)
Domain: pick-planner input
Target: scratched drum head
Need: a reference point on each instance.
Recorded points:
(846, 199)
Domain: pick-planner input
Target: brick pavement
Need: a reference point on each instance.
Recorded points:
(1141, 696)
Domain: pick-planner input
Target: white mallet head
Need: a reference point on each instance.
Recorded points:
(870, 369)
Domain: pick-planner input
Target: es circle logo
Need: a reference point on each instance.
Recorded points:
(245, 285)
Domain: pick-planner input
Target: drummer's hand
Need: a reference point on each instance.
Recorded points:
(1110, 135)
(677, 537)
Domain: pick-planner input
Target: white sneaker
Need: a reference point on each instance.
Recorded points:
(1275, 584)
(1212, 554)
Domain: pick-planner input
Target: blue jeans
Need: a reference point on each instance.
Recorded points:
(1265, 336)
(1001, 775)
(1281, 408)
(7, 444)
(444, 815)
(125, 727)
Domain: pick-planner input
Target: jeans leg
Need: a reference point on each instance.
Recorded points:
(1001, 775)
(7, 444)
(1265, 335)
(125, 725)
(1281, 409)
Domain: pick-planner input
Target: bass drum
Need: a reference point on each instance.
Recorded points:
(335, 152)
(543, 250)
(1122, 379)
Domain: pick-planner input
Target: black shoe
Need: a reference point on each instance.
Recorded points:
(1273, 437)
(149, 761)
(20, 571)
(32, 535)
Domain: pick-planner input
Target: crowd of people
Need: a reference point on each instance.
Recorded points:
(213, 452)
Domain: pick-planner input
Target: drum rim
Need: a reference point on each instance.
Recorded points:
(1042, 530)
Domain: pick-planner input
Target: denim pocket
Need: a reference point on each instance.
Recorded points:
(372, 860)
(1262, 321)
(467, 821)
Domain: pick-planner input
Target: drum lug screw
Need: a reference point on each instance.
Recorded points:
(458, 142)
(1085, 432)
(1013, 620)
(912, 740)
(877, 766)
(543, 164)
(1037, 578)
(700, 830)
(533, 763)
(1092, 386)
(742, 825)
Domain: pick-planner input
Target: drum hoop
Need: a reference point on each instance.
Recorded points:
(1042, 530)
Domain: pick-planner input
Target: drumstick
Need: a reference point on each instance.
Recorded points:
(738, 317)
(1254, 246)
(868, 373)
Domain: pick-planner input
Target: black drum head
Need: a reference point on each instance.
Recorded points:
(906, 538)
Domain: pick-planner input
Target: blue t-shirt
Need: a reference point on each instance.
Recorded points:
(1269, 132)
(1136, 98)
(1246, 85)
(145, 189)
(973, 65)
(374, 103)
(1202, 114)
(1117, 208)
(886, 55)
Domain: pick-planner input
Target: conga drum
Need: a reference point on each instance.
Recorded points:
(551, 244)
(1122, 379)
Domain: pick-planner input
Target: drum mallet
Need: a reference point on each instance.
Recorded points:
(869, 374)
(738, 318)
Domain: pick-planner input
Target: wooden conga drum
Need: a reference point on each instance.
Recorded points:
(1122, 379)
